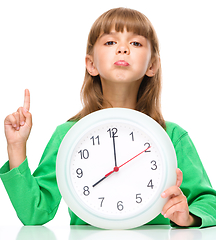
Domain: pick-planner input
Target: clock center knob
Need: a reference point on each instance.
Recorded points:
(116, 169)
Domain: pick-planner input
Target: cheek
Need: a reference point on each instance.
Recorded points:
(102, 60)
(99, 64)
(144, 62)
(98, 60)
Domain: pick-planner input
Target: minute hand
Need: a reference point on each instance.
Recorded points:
(114, 149)
(116, 169)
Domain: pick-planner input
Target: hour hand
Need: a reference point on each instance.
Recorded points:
(98, 181)
(116, 169)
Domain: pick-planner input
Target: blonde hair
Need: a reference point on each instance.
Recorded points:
(149, 94)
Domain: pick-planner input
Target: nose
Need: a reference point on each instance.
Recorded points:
(123, 49)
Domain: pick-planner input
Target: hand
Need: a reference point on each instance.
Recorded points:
(18, 124)
(17, 129)
(116, 169)
(176, 209)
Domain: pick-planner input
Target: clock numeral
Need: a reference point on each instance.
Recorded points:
(147, 145)
(86, 191)
(112, 132)
(95, 138)
(120, 205)
(138, 198)
(150, 184)
(154, 167)
(79, 172)
(84, 154)
(102, 199)
(132, 136)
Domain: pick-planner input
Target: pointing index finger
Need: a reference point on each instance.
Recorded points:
(27, 100)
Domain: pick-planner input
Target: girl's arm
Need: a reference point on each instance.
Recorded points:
(192, 201)
(17, 129)
(36, 197)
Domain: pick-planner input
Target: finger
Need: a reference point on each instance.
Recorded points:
(172, 191)
(179, 207)
(27, 100)
(28, 117)
(11, 120)
(179, 177)
(16, 124)
(22, 117)
(172, 202)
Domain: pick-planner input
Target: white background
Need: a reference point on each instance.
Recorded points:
(42, 47)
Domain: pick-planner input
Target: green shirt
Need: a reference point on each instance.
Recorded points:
(36, 196)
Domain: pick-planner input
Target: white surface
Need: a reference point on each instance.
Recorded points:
(91, 233)
(42, 47)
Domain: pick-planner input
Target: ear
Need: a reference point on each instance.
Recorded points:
(90, 66)
(153, 66)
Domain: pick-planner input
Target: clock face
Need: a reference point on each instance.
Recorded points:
(115, 170)
(123, 193)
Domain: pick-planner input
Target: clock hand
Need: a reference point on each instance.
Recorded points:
(116, 169)
(113, 137)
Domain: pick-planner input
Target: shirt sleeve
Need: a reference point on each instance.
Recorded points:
(36, 196)
(196, 186)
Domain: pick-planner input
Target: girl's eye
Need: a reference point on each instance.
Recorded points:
(137, 44)
(110, 43)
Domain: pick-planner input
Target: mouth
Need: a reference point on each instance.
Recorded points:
(122, 63)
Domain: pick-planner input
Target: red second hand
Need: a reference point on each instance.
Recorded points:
(116, 169)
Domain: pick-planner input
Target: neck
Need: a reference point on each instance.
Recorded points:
(122, 95)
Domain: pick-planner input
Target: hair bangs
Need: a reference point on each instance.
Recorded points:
(130, 19)
(120, 18)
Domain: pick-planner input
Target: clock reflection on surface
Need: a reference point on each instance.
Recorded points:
(86, 232)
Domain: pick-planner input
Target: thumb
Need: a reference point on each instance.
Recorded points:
(179, 177)
(28, 117)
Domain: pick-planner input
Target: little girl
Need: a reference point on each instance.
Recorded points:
(122, 70)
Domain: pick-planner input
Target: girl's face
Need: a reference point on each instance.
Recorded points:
(120, 57)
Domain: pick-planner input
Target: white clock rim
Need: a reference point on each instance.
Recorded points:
(63, 175)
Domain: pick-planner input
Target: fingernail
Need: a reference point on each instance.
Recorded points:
(25, 110)
(17, 128)
(165, 215)
(14, 125)
(22, 123)
(163, 194)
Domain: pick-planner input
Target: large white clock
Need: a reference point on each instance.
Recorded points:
(112, 167)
